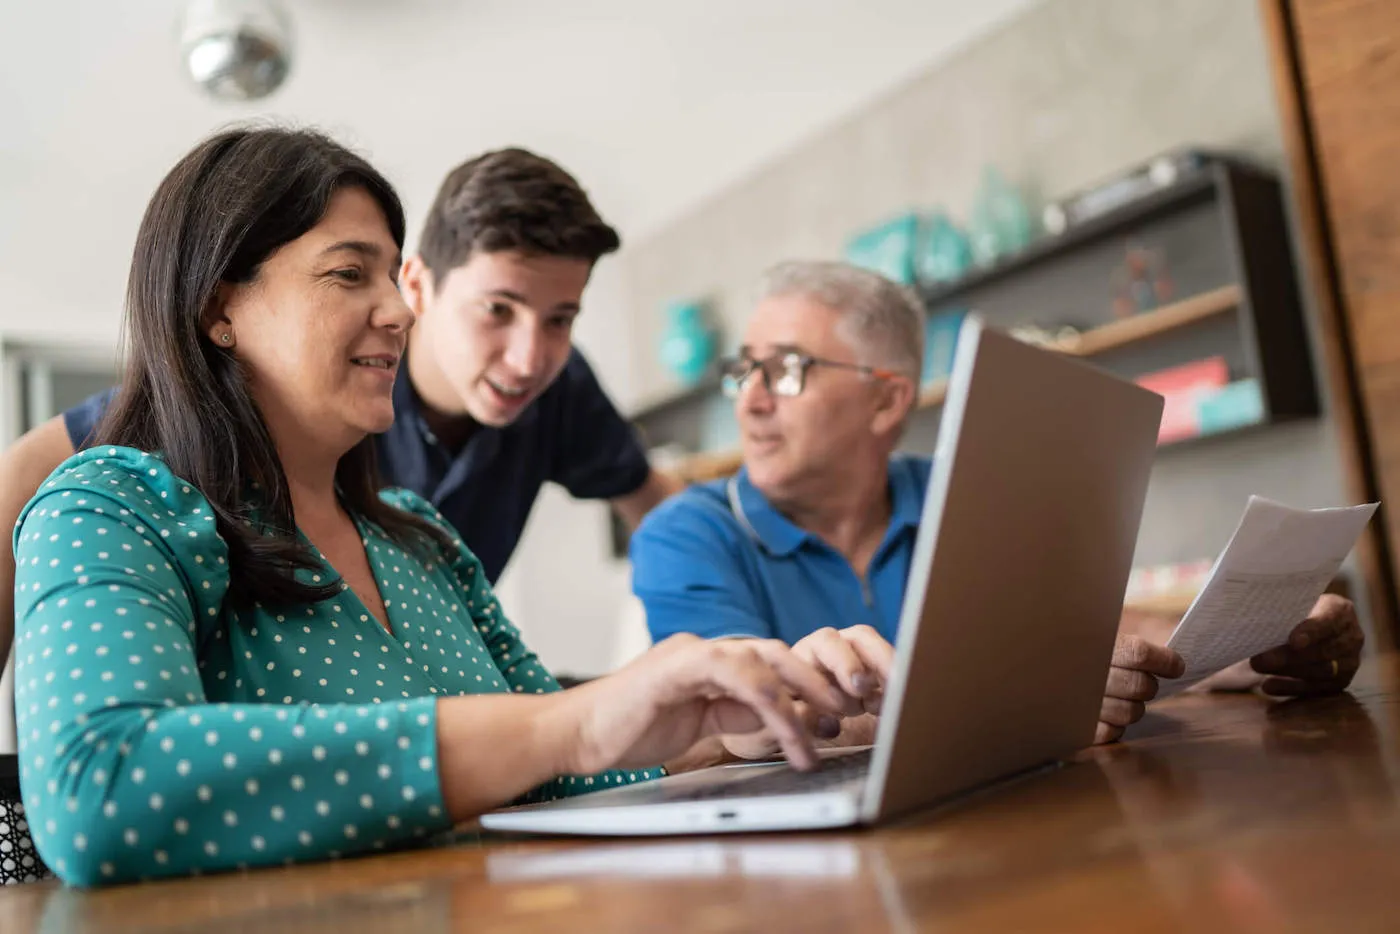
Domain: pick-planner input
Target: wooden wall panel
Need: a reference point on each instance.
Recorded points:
(1350, 55)
(1336, 69)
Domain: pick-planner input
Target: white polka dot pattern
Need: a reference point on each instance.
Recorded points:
(481, 618)
(163, 732)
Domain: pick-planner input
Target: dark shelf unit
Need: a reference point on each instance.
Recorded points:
(1248, 242)
(1198, 187)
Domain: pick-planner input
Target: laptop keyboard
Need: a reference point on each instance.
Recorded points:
(830, 771)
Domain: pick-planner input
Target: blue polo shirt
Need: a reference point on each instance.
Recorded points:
(719, 560)
(571, 435)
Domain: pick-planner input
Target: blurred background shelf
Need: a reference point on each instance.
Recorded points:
(1127, 331)
(698, 468)
(1121, 220)
(1218, 236)
(1149, 324)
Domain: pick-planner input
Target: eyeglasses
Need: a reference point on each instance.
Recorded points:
(784, 373)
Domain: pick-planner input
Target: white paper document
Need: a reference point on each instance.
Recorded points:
(1275, 566)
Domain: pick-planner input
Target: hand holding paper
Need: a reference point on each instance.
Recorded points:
(1321, 656)
(1268, 578)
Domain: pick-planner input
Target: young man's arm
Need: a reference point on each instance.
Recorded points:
(597, 454)
(26, 465)
(634, 506)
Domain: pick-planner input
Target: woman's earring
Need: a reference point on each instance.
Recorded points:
(226, 338)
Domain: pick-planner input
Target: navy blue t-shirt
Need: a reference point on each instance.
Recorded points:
(571, 435)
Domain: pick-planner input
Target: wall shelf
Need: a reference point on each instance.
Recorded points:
(1195, 187)
(1149, 324)
(1222, 238)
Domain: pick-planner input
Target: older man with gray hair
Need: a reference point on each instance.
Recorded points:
(816, 530)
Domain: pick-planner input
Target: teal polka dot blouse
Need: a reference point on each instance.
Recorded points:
(163, 733)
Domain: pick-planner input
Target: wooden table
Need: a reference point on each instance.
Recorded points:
(1222, 812)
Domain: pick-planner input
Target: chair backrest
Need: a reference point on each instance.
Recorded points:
(19, 861)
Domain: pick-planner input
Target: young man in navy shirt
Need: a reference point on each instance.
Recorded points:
(492, 400)
(817, 529)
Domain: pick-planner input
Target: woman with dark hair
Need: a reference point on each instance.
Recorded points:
(232, 648)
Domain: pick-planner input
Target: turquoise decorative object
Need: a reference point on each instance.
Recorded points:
(944, 253)
(688, 343)
(1000, 223)
(887, 249)
(1234, 405)
(940, 342)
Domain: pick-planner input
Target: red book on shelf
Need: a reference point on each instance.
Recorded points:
(1181, 387)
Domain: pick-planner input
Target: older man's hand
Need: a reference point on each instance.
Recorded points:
(1132, 682)
(1321, 655)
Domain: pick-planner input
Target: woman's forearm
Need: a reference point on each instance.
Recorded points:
(130, 790)
(492, 748)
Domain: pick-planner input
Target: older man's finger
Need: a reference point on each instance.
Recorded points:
(1348, 640)
(1331, 617)
(1137, 653)
(1295, 687)
(1130, 684)
(1272, 661)
(1309, 668)
(1281, 659)
(1106, 733)
(1120, 712)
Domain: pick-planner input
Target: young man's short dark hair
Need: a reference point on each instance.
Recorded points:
(511, 199)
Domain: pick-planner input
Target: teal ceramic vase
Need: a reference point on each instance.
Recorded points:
(1000, 223)
(887, 249)
(944, 253)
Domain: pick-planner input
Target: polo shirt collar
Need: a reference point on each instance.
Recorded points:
(773, 530)
(780, 537)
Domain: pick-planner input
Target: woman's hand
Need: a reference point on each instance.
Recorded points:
(685, 689)
(856, 660)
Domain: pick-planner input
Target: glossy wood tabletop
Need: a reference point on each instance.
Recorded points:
(1221, 812)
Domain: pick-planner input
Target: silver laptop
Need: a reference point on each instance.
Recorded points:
(1015, 590)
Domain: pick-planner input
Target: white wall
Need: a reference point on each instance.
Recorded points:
(653, 105)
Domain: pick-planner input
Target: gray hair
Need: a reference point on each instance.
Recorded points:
(882, 320)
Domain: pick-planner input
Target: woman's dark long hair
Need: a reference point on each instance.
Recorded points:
(224, 208)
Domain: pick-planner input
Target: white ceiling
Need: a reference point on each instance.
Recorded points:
(654, 104)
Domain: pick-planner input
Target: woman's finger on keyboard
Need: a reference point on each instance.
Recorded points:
(875, 652)
(841, 663)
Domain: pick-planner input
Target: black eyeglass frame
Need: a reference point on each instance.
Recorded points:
(785, 372)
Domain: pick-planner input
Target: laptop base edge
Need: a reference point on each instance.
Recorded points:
(810, 811)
